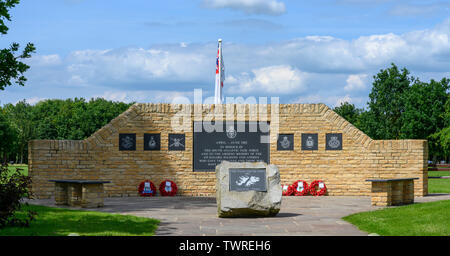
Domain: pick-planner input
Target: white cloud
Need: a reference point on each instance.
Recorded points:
(269, 7)
(145, 96)
(356, 82)
(33, 100)
(115, 96)
(330, 100)
(307, 99)
(129, 65)
(272, 79)
(286, 62)
(286, 68)
(46, 60)
(379, 48)
(343, 99)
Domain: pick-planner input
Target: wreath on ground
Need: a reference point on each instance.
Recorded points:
(300, 188)
(168, 188)
(317, 188)
(287, 190)
(147, 188)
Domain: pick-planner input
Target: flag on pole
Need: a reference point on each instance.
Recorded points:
(220, 75)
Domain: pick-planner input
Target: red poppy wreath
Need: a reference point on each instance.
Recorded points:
(317, 188)
(147, 188)
(300, 188)
(287, 190)
(168, 188)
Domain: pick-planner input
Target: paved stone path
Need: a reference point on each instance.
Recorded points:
(197, 216)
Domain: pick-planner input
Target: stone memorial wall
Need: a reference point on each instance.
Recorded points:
(312, 142)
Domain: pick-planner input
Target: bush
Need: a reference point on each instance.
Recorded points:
(14, 186)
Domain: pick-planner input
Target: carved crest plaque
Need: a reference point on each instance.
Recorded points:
(246, 179)
(127, 141)
(333, 141)
(177, 142)
(310, 141)
(285, 142)
(152, 141)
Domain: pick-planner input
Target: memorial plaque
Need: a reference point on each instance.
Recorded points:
(334, 141)
(247, 179)
(235, 142)
(177, 142)
(285, 142)
(152, 141)
(310, 141)
(127, 141)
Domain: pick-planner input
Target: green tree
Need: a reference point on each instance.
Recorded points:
(74, 119)
(424, 115)
(11, 67)
(44, 113)
(383, 119)
(21, 119)
(439, 142)
(95, 114)
(349, 112)
(14, 185)
(8, 137)
(424, 109)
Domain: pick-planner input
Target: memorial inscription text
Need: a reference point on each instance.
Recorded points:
(230, 144)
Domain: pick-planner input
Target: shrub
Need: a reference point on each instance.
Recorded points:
(14, 186)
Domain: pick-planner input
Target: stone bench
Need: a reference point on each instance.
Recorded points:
(387, 192)
(84, 193)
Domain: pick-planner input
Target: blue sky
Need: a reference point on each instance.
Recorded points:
(153, 51)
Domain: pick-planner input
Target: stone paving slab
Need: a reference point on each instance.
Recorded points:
(197, 216)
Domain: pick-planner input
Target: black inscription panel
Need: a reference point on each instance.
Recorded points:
(234, 142)
(247, 179)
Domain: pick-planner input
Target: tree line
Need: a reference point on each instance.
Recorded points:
(403, 107)
(70, 119)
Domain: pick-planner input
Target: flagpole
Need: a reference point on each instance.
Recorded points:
(220, 71)
(219, 80)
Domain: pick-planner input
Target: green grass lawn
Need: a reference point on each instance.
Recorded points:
(438, 173)
(420, 219)
(61, 222)
(436, 186)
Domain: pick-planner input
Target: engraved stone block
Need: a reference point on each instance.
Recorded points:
(247, 189)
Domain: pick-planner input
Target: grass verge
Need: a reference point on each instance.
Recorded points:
(436, 186)
(61, 222)
(438, 173)
(420, 219)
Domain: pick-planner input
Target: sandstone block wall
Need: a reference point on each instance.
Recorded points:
(343, 171)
